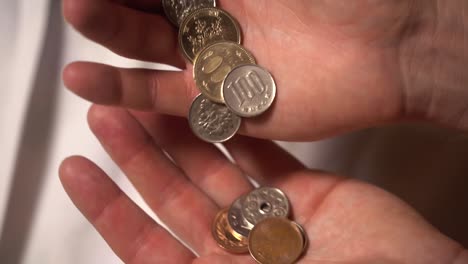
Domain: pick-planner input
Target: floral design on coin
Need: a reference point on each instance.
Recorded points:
(212, 122)
(236, 219)
(264, 203)
(224, 236)
(205, 27)
(214, 63)
(249, 90)
(276, 241)
(177, 10)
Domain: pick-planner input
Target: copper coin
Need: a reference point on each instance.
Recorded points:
(276, 241)
(205, 27)
(224, 236)
(214, 63)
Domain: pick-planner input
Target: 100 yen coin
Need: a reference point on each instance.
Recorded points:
(249, 90)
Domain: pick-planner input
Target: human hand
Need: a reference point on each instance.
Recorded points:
(339, 65)
(347, 221)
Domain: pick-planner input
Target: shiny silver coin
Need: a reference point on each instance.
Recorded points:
(177, 10)
(236, 220)
(212, 122)
(249, 90)
(263, 203)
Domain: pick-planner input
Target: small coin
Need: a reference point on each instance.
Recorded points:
(263, 203)
(205, 27)
(275, 241)
(224, 236)
(236, 219)
(212, 122)
(249, 90)
(214, 63)
(177, 10)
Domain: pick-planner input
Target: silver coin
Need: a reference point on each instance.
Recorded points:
(236, 220)
(212, 122)
(249, 90)
(177, 10)
(263, 203)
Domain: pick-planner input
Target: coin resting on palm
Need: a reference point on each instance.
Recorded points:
(214, 63)
(212, 122)
(276, 241)
(177, 10)
(236, 220)
(271, 237)
(204, 27)
(264, 203)
(226, 237)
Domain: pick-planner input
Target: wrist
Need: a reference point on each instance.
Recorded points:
(434, 62)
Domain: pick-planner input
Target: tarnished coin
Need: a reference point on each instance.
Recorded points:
(205, 27)
(212, 122)
(249, 90)
(263, 203)
(275, 241)
(236, 220)
(177, 10)
(214, 63)
(223, 235)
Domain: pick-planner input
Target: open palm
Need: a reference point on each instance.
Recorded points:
(338, 64)
(346, 221)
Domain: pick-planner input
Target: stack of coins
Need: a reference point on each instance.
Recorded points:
(232, 85)
(258, 223)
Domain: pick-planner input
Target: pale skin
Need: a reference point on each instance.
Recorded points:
(339, 66)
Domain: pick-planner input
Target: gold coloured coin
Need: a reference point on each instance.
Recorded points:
(226, 237)
(214, 63)
(204, 27)
(276, 241)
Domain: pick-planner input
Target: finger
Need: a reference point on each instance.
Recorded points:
(178, 203)
(126, 31)
(132, 234)
(162, 91)
(203, 163)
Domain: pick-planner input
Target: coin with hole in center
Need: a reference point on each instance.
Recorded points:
(263, 203)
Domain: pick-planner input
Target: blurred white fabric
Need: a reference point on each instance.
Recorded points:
(42, 123)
